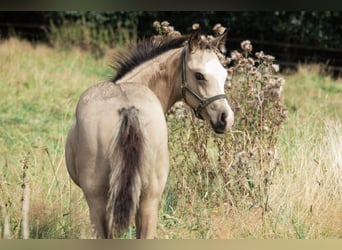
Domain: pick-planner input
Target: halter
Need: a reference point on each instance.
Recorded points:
(202, 102)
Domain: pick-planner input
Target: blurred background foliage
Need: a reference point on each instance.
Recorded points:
(306, 27)
(291, 36)
(315, 28)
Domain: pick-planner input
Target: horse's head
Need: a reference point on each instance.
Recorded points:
(203, 80)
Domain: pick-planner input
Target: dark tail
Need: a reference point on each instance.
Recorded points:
(125, 181)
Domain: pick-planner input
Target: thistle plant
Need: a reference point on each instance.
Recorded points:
(236, 168)
(248, 154)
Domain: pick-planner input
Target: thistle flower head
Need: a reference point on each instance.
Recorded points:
(165, 23)
(219, 29)
(275, 67)
(195, 26)
(156, 24)
(247, 46)
(235, 55)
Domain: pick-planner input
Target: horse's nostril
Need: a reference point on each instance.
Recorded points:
(223, 118)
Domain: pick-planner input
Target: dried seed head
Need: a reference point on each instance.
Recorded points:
(204, 38)
(269, 58)
(235, 55)
(227, 61)
(279, 81)
(210, 37)
(217, 26)
(271, 83)
(165, 28)
(170, 29)
(229, 78)
(260, 54)
(165, 23)
(251, 61)
(156, 24)
(275, 93)
(230, 72)
(247, 46)
(253, 72)
(243, 61)
(266, 77)
(275, 67)
(219, 29)
(195, 26)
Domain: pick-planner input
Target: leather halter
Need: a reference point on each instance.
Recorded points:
(202, 102)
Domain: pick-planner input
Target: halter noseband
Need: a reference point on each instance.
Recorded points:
(202, 102)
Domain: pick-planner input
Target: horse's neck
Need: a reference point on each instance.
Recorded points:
(162, 75)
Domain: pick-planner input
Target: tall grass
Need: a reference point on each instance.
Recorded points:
(39, 90)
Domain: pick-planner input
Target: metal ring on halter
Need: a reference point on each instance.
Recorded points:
(202, 102)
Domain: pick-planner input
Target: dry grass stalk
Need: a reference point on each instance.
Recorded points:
(7, 225)
(7, 233)
(25, 200)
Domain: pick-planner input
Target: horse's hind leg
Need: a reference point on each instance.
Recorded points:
(147, 217)
(97, 201)
(147, 214)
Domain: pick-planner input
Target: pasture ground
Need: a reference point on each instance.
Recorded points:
(39, 89)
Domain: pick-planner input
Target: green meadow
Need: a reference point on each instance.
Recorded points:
(39, 90)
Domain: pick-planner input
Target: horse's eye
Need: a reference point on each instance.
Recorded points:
(199, 76)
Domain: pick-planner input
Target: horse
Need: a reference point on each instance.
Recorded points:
(117, 148)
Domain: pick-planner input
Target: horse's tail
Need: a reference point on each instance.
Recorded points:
(125, 181)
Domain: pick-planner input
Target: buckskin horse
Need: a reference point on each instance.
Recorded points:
(117, 149)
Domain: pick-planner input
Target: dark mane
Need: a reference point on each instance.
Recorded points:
(144, 50)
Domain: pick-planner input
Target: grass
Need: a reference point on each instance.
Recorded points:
(39, 89)
(38, 96)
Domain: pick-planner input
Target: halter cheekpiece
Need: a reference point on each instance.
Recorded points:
(202, 102)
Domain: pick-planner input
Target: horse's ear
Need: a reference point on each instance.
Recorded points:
(195, 39)
(220, 42)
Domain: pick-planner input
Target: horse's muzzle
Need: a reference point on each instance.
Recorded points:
(224, 122)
